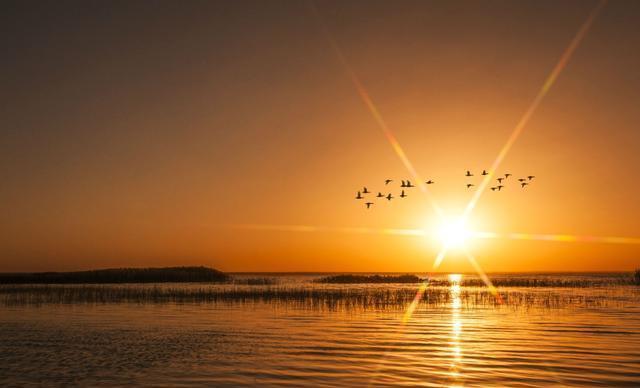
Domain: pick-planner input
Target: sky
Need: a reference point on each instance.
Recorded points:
(198, 133)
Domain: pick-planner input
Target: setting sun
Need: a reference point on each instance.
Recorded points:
(453, 233)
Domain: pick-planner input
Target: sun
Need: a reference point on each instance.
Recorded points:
(453, 233)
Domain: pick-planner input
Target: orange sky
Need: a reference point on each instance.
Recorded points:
(139, 135)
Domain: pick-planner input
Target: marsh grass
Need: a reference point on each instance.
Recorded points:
(334, 298)
(255, 281)
(504, 281)
(373, 279)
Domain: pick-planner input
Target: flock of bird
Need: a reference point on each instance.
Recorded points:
(406, 184)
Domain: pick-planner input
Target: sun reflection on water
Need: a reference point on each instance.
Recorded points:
(456, 330)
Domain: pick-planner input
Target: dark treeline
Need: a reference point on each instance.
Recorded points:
(118, 275)
(347, 279)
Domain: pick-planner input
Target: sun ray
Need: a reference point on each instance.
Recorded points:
(483, 275)
(560, 237)
(551, 78)
(332, 229)
(377, 116)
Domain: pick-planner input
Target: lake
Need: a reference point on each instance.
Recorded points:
(300, 333)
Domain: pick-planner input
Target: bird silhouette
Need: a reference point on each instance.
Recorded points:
(429, 182)
(402, 195)
(521, 179)
(530, 177)
(469, 185)
(507, 176)
(389, 197)
(499, 180)
(386, 182)
(468, 173)
(403, 184)
(499, 187)
(524, 184)
(493, 188)
(409, 184)
(484, 172)
(359, 196)
(365, 191)
(369, 204)
(380, 195)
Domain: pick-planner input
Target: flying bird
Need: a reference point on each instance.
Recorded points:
(484, 172)
(386, 182)
(499, 180)
(389, 197)
(469, 185)
(469, 173)
(402, 195)
(524, 184)
(409, 184)
(380, 195)
(429, 182)
(530, 177)
(359, 196)
(403, 184)
(500, 187)
(521, 179)
(365, 191)
(493, 188)
(369, 204)
(507, 176)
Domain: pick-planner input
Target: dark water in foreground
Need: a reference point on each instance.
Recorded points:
(587, 336)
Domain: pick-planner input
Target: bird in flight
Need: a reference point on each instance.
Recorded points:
(380, 195)
(468, 173)
(470, 185)
(499, 187)
(506, 176)
(429, 182)
(530, 177)
(524, 184)
(521, 179)
(369, 204)
(499, 180)
(365, 191)
(389, 197)
(387, 181)
(403, 184)
(484, 172)
(402, 195)
(493, 188)
(359, 196)
(409, 184)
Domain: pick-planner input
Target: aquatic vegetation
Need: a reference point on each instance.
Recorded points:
(308, 296)
(118, 275)
(349, 279)
(255, 281)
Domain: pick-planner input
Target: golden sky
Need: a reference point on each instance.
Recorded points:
(146, 134)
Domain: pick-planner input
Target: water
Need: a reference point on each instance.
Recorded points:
(590, 336)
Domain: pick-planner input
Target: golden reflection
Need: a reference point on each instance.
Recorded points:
(456, 330)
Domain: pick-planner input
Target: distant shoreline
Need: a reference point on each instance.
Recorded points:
(119, 275)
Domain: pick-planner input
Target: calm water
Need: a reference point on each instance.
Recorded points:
(572, 343)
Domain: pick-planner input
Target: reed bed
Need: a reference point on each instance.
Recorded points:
(373, 279)
(510, 281)
(335, 298)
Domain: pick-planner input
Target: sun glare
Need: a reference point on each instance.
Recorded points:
(453, 233)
